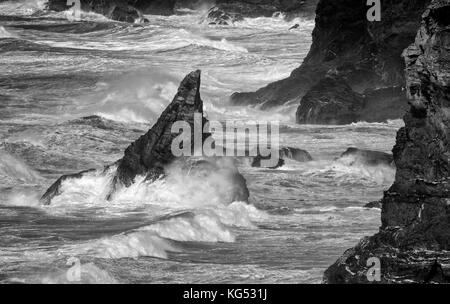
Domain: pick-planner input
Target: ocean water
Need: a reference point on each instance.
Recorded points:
(54, 71)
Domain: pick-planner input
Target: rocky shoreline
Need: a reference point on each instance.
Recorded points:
(413, 244)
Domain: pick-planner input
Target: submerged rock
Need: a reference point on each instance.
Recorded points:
(151, 154)
(219, 16)
(330, 101)
(373, 205)
(368, 157)
(285, 153)
(414, 240)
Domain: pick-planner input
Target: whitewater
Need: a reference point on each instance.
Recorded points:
(74, 95)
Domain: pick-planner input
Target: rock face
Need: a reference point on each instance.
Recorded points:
(226, 12)
(295, 154)
(330, 101)
(152, 151)
(367, 55)
(151, 154)
(414, 240)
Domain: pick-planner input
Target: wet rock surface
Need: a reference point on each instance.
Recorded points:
(414, 240)
(330, 101)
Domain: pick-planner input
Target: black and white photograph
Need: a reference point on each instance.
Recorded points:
(228, 142)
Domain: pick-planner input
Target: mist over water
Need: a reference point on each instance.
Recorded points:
(53, 72)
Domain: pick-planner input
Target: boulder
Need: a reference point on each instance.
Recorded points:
(373, 205)
(367, 55)
(285, 153)
(368, 157)
(414, 240)
(219, 16)
(295, 154)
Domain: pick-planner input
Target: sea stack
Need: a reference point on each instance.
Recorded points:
(414, 240)
(151, 154)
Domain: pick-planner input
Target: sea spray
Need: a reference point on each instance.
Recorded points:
(5, 34)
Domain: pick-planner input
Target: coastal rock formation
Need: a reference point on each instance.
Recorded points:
(367, 55)
(151, 154)
(330, 101)
(226, 12)
(295, 154)
(414, 240)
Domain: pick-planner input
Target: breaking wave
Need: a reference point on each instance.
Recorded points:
(14, 170)
(5, 34)
(22, 7)
(345, 171)
(179, 208)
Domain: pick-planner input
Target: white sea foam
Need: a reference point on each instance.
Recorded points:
(16, 170)
(22, 7)
(200, 225)
(89, 273)
(276, 22)
(182, 208)
(84, 16)
(136, 97)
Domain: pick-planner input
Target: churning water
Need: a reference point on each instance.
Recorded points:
(53, 72)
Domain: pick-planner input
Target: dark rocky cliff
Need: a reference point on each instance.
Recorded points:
(414, 240)
(367, 55)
